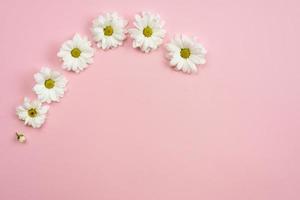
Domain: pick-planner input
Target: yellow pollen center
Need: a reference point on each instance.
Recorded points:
(185, 53)
(147, 31)
(32, 112)
(49, 84)
(75, 52)
(108, 31)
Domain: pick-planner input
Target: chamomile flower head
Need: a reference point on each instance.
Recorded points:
(185, 53)
(76, 54)
(148, 33)
(33, 113)
(109, 30)
(50, 85)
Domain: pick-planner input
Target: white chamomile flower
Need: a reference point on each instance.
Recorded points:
(185, 53)
(50, 85)
(20, 137)
(76, 54)
(32, 112)
(148, 33)
(109, 30)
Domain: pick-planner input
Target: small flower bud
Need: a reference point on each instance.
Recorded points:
(21, 137)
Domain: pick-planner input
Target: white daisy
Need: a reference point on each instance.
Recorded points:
(76, 54)
(32, 112)
(148, 33)
(109, 30)
(185, 53)
(50, 85)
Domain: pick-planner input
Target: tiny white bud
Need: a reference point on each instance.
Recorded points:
(21, 137)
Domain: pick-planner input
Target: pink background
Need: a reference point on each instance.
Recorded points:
(131, 128)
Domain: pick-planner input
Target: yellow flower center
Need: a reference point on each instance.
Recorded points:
(108, 31)
(49, 84)
(75, 52)
(147, 31)
(32, 112)
(185, 53)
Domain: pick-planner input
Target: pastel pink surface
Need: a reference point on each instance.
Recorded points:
(131, 128)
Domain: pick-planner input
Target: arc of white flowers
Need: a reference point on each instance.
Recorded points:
(109, 31)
